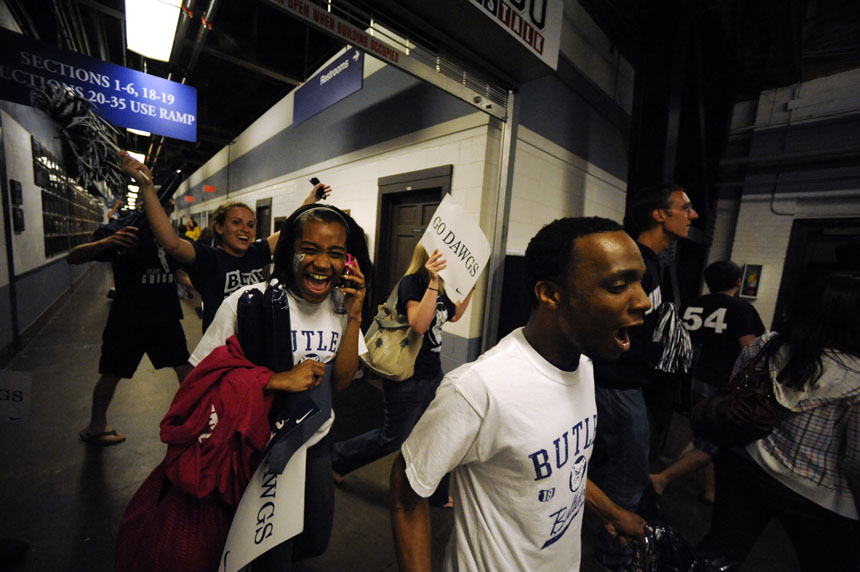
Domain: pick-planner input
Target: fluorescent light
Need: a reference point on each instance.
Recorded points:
(150, 27)
(138, 132)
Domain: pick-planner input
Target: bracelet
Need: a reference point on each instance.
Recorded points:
(434, 289)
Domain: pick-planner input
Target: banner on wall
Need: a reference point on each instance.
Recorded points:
(535, 23)
(123, 97)
(462, 243)
(342, 77)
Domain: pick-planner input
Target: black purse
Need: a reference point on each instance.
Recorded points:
(745, 410)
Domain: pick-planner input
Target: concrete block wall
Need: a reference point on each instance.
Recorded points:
(761, 237)
(589, 49)
(551, 182)
(810, 117)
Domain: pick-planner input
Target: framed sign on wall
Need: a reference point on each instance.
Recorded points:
(750, 281)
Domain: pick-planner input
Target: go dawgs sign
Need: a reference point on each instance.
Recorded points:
(535, 23)
(453, 232)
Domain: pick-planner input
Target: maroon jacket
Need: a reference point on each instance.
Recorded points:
(216, 430)
(217, 426)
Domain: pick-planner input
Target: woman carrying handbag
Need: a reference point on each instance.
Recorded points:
(421, 297)
(806, 471)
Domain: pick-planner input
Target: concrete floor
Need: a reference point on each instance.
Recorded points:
(66, 498)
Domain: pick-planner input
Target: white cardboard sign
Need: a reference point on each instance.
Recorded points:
(271, 511)
(463, 245)
(16, 395)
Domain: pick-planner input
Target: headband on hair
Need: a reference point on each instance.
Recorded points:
(327, 208)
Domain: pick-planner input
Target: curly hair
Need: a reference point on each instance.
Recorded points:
(550, 253)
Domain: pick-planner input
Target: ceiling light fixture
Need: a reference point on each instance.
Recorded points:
(150, 27)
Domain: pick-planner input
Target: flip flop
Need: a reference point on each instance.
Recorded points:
(103, 439)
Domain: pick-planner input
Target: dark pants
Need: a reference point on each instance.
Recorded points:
(405, 401)
(622, 443)
(747, 498)
(319, 515)
(660, 400)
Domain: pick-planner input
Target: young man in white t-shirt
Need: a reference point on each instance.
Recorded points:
(517, 426)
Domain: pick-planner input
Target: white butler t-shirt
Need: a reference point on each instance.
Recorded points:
(316, 330)
(518, 434)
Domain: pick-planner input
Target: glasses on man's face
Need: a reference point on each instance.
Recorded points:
(687, 209)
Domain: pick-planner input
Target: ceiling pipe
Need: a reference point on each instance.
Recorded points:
(63, 28)
(80, 32)
(205, 26)
(101, 37)
(186, 14)
(828, 154)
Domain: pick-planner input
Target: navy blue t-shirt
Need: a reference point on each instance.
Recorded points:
(428, 363)
(216, 274)
(144, 277)
(715, 322)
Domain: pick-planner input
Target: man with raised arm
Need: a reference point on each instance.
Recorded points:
(144, 317)
(517, 426)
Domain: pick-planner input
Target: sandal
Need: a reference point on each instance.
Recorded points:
(103, 439)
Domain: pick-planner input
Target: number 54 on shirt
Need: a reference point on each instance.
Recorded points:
(716, 320)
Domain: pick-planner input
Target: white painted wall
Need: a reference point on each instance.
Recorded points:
(354, 180)
(551, 182)
(764, 223)
(724, 230)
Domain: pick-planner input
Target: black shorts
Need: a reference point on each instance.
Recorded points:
(124, 343)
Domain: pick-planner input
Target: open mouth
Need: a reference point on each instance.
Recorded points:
(622, 336)
(622, 339)
(317, 283)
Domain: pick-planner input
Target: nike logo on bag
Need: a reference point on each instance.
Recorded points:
(302, 418)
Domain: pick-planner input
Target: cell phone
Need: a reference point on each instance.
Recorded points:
(320, 191)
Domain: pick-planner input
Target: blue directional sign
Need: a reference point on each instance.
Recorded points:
(123, 97)
(342, 77)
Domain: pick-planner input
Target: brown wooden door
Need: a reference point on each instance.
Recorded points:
(406, 204)
(264, 218)
(410, 215)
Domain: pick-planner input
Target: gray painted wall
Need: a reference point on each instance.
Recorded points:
(456, 351)
(390, 104)
(38, 289)
(6, 323)
(553, 110)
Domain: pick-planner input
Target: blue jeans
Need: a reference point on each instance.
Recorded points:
(405, 401)
(623, 437)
